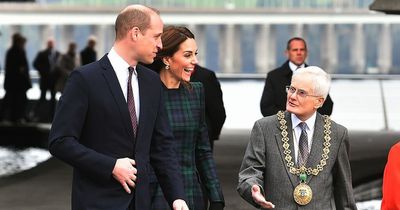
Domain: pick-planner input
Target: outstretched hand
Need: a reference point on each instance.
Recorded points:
(125, 173)
(259, 198)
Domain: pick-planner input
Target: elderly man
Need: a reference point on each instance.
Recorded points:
(298, 159)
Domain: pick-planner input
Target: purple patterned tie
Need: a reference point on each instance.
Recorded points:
(303, 145)
(131, 102)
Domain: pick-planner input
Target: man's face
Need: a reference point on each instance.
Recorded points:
(297, 53)
(302, 102)
(50, 44)
(149, 41)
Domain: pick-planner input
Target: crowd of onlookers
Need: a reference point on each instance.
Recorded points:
(53, 68)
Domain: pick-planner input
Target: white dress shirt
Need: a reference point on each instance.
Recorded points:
(120, 67)
(294, 67)
(310, 122)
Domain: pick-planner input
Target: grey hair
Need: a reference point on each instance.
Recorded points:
(321, 81)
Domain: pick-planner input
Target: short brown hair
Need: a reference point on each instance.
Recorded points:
(297, 39)
(133, 17)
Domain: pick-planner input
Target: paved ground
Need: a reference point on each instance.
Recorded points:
(48, 186)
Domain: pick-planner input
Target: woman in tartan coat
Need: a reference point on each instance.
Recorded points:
(184, 102)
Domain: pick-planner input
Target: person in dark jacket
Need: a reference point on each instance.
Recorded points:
(215, 110)
(274, 95)
(45, 63)
(89, 54)
(17, 80)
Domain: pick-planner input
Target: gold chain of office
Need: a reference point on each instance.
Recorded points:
(288, 157)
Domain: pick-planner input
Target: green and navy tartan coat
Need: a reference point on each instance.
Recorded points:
(186, 114)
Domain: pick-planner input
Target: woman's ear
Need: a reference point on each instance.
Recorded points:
(165, 61)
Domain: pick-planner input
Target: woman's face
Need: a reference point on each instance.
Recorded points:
(182, 63)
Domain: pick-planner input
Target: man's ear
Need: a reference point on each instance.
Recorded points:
(134, 32)
(319, 103)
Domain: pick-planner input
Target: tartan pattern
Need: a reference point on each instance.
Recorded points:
(185, 108)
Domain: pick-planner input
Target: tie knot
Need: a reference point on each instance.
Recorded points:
(298, 67)
(303, 125)
(131, 70)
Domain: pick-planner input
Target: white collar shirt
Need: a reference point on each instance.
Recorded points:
(294, 67)
(297, 132)
(120, 67)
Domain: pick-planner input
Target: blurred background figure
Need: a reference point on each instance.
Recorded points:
(89, 54)
(45, 64)
(215, 110)
(16, 82)
(65, 65)
(273, 98)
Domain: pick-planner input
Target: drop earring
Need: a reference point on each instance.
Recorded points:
(167, 67)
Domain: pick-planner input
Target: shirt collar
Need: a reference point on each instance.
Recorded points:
(117, 61)
(310, 121)
(293, 66)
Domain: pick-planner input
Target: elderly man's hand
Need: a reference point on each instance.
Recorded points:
(259, 198)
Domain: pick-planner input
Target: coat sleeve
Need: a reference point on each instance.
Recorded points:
(267, 104)
(327, 107)
(343, 190)
(215, 110)
(163, 156)
(204, 158)
(253, 165)
(67, 128)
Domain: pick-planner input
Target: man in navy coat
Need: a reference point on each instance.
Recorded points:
(274, 95)
(94, 132)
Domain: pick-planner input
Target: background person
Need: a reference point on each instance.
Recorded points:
(45, 63)
(16, 81)
(89, 54)
(65, 65)
(274, 94)
(215, 110)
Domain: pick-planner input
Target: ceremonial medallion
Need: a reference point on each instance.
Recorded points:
(302, 194)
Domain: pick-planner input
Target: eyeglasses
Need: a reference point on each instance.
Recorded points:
(300, 92)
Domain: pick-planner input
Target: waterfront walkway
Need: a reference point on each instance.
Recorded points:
(48, 186)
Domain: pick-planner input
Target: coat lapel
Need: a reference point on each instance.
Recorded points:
(278, 137)
(144, 85)
(115, 88)
(317, 144)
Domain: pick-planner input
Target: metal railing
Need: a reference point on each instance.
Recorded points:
(223, 4)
